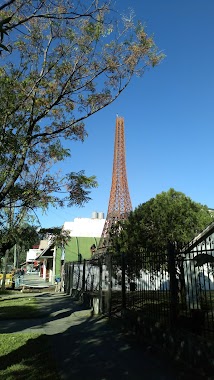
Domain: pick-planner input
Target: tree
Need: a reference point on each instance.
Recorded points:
(16, 237)
(27, 238)
(156, 231)
(3, 32)
(57, 235)
(15, 229)
(170, 217)
(68, 60)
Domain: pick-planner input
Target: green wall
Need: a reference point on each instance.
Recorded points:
(74, 247)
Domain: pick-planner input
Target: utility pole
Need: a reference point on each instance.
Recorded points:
(15, 257)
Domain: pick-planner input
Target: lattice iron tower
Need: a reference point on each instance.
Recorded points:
(119, 202)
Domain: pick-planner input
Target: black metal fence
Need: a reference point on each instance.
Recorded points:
(166, 290)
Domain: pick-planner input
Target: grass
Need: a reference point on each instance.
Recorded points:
(8, 292)
(16, 308)
(26, 356)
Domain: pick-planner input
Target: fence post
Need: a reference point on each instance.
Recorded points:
(100, 286)
(109, 292)
(71, 279)
(67, 274)
(123, 281)
(173, 284)
(83, 275)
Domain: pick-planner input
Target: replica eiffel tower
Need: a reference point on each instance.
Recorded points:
(119, 202)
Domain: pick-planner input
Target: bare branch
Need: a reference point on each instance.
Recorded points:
(7, 4)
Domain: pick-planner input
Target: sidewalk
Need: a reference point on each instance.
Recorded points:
(31, 281)
(87, 347)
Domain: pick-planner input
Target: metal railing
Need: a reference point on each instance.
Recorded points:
(168, 290)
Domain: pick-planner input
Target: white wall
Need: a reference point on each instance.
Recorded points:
(32, 254)
(85, 227)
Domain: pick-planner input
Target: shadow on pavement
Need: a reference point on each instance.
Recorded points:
(52, 308)
(85, 347)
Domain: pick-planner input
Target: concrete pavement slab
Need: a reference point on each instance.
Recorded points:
(86, 347)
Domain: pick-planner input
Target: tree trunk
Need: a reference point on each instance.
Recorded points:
(5, 269)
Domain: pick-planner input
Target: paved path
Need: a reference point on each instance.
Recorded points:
(32, 281)
(87, 347)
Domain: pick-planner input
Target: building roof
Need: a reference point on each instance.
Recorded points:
(201, 237)
(47, 252)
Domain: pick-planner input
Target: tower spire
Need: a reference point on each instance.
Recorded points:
(119, 205)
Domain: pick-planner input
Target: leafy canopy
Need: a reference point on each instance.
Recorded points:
(61, 62)
(170, 217)
(68, 60)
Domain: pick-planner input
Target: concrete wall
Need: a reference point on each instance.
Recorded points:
(85, 227)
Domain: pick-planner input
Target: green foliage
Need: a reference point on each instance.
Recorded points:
(78, 185)
(68, 61)
(59, 237)
(20, 233)
(170, 217)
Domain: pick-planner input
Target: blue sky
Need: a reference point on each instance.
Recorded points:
(169, 115)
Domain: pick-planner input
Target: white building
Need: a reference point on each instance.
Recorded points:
(85, 232)
(86, 227)
(32, 254)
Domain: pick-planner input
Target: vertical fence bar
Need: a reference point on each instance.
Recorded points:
(83, 275)
(100, 263)
(173, 285)
(123, 281)
(109, 291)
(71, 278)
(67, 274)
